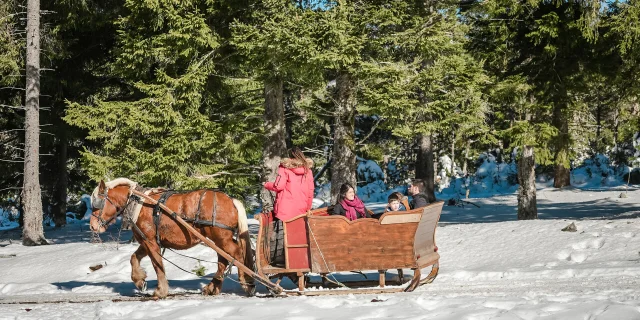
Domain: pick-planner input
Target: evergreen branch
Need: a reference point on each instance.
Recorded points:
(15, 161)
(375, 125)
(11, 188)
(221, 173)
(316, 151)
(11, 130)
(12, 107)
(231, 78)
(12, 147)
(13, 88)
(12, 15)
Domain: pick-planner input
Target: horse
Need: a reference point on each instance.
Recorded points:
(213, 213)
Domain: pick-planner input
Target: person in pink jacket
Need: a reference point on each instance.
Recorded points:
(293, 186)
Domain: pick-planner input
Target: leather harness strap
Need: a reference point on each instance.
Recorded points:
(213, 222)
(157, 214)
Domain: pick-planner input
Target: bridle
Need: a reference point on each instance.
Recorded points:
(100, 204)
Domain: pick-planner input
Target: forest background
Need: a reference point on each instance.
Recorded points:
(211, 93)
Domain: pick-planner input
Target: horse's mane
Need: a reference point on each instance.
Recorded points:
(112, 184)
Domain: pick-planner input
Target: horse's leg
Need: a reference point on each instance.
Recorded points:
(232, 248)
(215, 286)
(138, 275)
(156, 259)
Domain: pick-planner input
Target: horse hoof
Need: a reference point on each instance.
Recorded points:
(250, 290)
(144, 286)
(157, 294)
(209, 290)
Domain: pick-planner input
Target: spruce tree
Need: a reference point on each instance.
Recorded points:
(276, 46)
(11, 109)
(169, 121)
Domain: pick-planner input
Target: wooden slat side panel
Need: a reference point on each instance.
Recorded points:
(425, 235)
(296, 235)
(297, 231)
(298, 258)
(341, 245)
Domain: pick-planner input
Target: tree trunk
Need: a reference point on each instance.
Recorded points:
(453, 153)
(527, 207)
(275, 146)
(60, 191)
(32, 232)
(343, 169)
(288, 121)
(596, 146)
(466, 158)
(425, 169)
(616, 124)
(385, 168)
(562, 173)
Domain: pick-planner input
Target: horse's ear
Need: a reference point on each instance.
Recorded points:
(102, 187)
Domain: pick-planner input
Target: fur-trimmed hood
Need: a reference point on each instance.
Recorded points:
(290, 163)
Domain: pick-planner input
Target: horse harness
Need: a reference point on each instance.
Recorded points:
(100, 204)
(157, 214)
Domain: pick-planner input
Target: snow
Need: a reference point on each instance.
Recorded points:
(8, 219)
(505, 269)
(491, 178)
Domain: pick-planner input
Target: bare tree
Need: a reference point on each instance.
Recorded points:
(527, 207)
(32, 232)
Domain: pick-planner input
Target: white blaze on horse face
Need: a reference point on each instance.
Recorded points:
(100, 215)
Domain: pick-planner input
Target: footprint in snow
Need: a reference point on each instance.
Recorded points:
(573, 256)
(589, 244)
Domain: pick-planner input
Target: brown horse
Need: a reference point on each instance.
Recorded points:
(224, 215)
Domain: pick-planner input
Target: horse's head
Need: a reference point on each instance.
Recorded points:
(108, 201)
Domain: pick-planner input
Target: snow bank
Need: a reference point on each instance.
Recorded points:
(491, 177)
(8, 219)
(598, 172)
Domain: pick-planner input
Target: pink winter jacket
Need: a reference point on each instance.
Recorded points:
(294, 187)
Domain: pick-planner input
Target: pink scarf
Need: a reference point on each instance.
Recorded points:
(353, 207)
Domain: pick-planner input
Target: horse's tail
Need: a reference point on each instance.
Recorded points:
(243, 235)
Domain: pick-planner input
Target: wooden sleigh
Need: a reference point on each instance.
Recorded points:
(323, 244)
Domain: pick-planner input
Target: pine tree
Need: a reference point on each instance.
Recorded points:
(11, 116)
(169, 120)
(340, 39)
(546, 45)
(277, 47)
(433, 85)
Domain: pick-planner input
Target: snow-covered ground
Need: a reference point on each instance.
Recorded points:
(492, 267)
